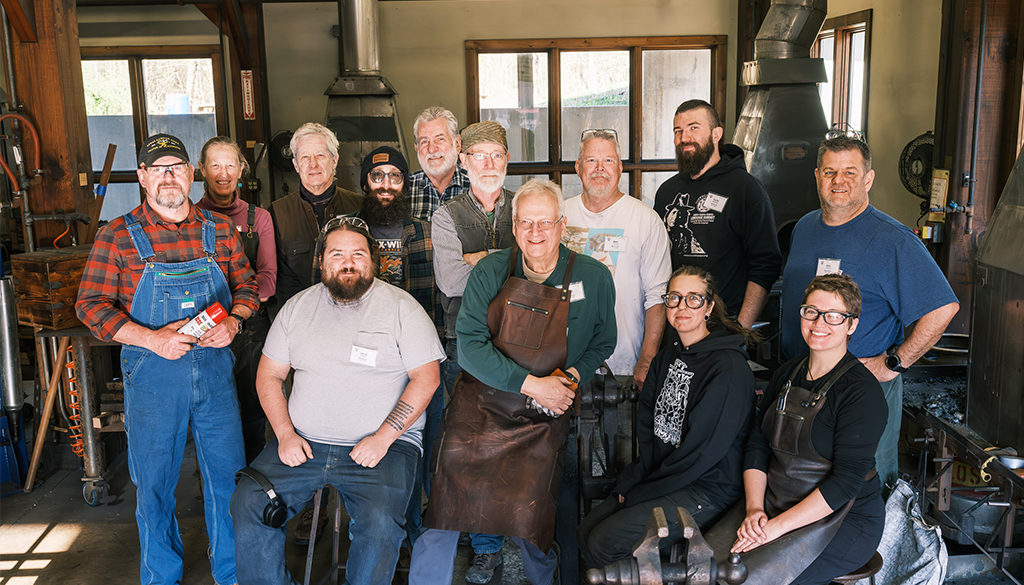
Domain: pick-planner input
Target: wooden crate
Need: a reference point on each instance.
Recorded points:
(47, 285)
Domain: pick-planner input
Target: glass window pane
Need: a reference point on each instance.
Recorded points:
(514, 93)
(108, 110)
(595, 94)
(649, 183)
(573, 186)
(124, 197)
(514, 182)
(669, 79)
(827, 47)
(857, 80)
(180, 100)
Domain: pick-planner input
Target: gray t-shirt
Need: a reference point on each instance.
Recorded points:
(351, 360)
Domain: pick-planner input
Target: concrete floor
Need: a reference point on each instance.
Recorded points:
(51, 537)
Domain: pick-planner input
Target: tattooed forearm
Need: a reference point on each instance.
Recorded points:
(399, 415)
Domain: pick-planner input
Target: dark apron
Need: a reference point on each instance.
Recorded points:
(794, 472)
(248, 345)
(497, 463)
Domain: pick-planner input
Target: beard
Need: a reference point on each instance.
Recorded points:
(377, 213)
(488, 181)
(171, 198)
(692, 163)
(345, 292)
(438, 164)
(600, 191)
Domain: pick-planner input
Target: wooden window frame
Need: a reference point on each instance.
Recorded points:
(134, 56)
(842, 29)
(634, 165)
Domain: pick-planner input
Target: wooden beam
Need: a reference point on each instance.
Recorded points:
(22, 17)
(230, 11)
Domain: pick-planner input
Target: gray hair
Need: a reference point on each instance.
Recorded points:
(603, 135)
(314, 129)
(545, 187)
(435, 113)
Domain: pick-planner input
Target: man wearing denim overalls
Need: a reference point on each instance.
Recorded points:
(149, 272)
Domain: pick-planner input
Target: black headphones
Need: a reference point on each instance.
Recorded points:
(276, 513)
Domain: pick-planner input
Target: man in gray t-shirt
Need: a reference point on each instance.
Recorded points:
(366, 359)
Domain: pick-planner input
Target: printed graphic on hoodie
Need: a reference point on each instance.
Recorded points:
(680, 215)
(670, 408)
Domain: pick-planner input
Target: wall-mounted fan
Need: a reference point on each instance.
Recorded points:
(916, 165)
(280, 150)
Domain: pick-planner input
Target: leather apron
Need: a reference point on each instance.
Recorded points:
(794, 472)
(497, 463)
(248, 345)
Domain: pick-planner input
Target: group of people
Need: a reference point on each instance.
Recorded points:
(431, 334)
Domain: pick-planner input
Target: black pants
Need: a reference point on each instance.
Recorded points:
(611, 529)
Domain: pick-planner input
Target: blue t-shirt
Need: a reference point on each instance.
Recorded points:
(899, 281)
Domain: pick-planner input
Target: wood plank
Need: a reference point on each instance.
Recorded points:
(22, 17)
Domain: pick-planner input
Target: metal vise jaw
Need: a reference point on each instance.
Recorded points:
(645, 566)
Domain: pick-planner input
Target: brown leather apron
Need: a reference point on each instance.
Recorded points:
(794, 472)
(497, 463)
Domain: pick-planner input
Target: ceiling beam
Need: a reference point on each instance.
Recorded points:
(230, 11)
(23, 18)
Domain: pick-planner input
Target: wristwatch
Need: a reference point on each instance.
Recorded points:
(892, 361)
(241, 323)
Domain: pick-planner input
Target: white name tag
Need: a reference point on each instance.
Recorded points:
(238, 227)
(828, 266)
(715, 202)
(576, 292)
(363, 356)
(615, 243)
(188, 305)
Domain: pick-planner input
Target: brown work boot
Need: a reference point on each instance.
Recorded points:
(305, 523)
(481, 570)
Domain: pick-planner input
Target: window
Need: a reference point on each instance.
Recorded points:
(547, 92)
(134, 92)
(845, 44)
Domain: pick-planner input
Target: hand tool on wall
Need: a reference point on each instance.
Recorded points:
(101, 191)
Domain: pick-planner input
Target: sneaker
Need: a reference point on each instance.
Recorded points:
(305, 523)
(481, 570)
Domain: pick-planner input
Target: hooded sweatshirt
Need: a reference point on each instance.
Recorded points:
(723, 222)
(695, 412)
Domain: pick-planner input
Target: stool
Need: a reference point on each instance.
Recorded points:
(868, 571)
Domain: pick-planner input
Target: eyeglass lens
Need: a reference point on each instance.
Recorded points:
(396, 177)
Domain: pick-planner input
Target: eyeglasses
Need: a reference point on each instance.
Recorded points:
(544, 225)
(606, 133)
(482, 156)
(396, 177)
(343, 220)
(809, 313)
(159, 170)
(843, 130)
(692, 300)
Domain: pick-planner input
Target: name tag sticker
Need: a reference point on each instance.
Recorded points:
(828, 266)
(576, 292)
(615, 243)
(363, 356)
(238, 227)
(188, 305)
(715, 202)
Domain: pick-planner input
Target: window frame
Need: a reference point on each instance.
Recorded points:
(842, 28)
(634, 166)
(134, 56)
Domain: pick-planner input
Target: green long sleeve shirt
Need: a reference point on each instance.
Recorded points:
(590, 338)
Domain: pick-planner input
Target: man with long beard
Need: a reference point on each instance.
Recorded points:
(406, 261)
(437, 147)
(718, 215)
(366, 359)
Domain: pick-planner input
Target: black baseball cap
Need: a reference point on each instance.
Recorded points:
(159, 145)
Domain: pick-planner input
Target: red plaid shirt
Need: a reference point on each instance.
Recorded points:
(114, 268)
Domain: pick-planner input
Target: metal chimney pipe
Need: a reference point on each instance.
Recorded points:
(360, 34)
(10, 362)
(789, 29)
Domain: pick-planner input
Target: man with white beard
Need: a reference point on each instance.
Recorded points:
(437, 148)
(464, 230)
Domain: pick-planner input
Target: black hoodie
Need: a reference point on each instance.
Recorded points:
(703, 398)
(723, 222)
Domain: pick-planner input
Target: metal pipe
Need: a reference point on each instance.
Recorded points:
(973, 178)
(10, 364)
(12, 96)
(790, 29)
(359, 31)
(93, 457)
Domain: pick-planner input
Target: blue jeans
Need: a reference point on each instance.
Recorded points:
(433, 559)
(162, 399)
(452, 369)
(375, 498)
(414, 515)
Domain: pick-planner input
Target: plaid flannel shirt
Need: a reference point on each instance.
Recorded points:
(424, 198)
(114, 268)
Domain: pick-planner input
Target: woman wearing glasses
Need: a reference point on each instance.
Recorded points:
(696, 407)
(810, 465)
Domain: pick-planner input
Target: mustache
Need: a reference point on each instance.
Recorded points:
(600, 175)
